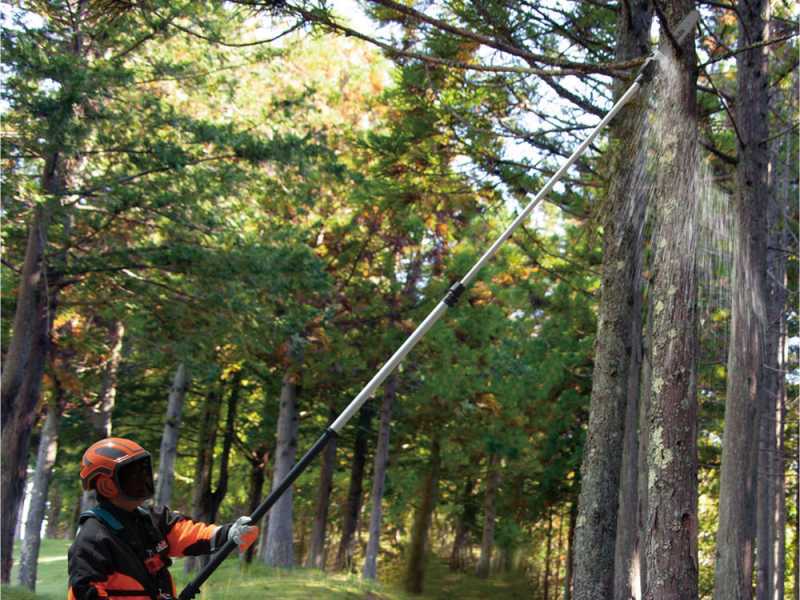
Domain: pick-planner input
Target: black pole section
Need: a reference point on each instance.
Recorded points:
(220, 555)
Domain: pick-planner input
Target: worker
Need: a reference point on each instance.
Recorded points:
(123, 547)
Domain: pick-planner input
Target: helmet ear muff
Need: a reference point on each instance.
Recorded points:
(105, 486)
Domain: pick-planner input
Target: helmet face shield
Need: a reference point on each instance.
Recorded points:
(135, 478)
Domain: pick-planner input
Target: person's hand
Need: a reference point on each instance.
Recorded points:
(243, 533)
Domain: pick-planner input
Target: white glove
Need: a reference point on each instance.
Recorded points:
(242, 532)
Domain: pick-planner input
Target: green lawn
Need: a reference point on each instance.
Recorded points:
(229, 582)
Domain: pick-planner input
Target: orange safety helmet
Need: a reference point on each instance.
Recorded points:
(117, 467)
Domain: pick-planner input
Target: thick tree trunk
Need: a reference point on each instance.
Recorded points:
(316, 549)
(23, 366)
(415, 573)
(344, 554)
(595, 535)
(672, 522)
(771, 519)
(489, 515)
(627, 560)
(45, 459)
(169, 439)
(465, 520)
(644, 418)
(765, 492)
(279, 550)
(379, 479)
(737, 505)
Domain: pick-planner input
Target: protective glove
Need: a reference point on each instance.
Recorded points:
(243, 533)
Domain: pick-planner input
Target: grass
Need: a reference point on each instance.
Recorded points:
(229, 582)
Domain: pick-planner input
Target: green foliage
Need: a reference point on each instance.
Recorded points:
(296, 208)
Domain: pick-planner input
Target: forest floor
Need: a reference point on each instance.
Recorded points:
(230, 583)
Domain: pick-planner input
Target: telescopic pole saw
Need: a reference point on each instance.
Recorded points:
(645, 75)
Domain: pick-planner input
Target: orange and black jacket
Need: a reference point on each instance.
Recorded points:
(121, 554)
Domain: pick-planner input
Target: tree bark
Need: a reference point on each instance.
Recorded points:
(548, 548)
(573, 515)
(771, 517)
(415, 573)
(489, 515)
(627, 559)
(279, 550)
(379, 479)
(169, 439)
(595, 534)
(101, 413)
(559, 554)
(672, 522)
(733, 578)
(644, 419)
(24, 362)
(53, 517)
(344, 554)
(316, 550)
(45, 460)
(258, 462)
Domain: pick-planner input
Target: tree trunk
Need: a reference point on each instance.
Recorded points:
(600, 472)
(771, 472)
(24, 362)
(344, 554)
(733, 578)
(379, 479)
(548, 548)
(45, 459)
(573, 515)
(100, 414)
(218, 495)
(169, 439)
(765, 491)
(489, 515)
(627, 560)
(465, 520)
(53, 517)
(258, 462)
(644, 419)
(316, 550)
(204, 466)
(672, 522)
(422, 522)
(559, 554)
(280, 545)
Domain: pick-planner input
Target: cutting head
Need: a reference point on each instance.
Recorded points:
(685, 27)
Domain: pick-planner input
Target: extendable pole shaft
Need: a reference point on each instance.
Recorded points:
(449, 300)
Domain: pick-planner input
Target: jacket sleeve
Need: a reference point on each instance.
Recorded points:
(89, 568)
(191, 538)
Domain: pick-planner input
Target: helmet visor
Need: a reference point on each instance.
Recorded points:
(136, 478)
